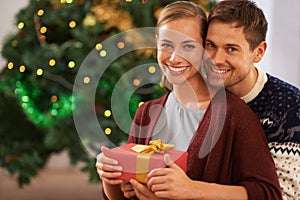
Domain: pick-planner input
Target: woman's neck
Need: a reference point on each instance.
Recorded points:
(193, 96)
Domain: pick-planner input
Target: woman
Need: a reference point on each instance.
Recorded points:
(223, 143)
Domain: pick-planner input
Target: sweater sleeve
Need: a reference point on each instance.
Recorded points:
(250, 146)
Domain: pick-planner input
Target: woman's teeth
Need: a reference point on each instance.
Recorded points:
(177, 69)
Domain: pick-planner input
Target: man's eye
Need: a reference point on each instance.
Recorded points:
(231, 49)
(209, 44)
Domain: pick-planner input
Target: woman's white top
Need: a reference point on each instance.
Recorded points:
(177, 124)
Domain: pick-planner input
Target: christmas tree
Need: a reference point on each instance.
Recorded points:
(40, 100)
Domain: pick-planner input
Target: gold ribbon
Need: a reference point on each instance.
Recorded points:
(144, 154)
(154, 146)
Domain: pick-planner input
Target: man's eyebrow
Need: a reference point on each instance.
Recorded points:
(233, 45)
(228, 44)
(208, 40)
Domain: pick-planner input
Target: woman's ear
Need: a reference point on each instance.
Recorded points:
(260, 51)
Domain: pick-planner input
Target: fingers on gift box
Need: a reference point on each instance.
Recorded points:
(137, 165)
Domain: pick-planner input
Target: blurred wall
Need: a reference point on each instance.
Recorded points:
(282, 58)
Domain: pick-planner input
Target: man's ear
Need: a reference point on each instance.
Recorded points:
(260, 51)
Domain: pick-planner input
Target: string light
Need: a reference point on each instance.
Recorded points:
(22, 68)
(54, 112)
(52, 62)
(10, 65)
(21, 25)
(71, 64)
(53, 99)
(86, 80)
(102, 53)
(121, 45)
(60, 106)
(43, 29)
(72, 24)
(39, 72)
(98, 46)
(141, 103)
(25, 99)
(107, 131)
(152, 69)
(107, 113)
(40, 12)
(69, 1)
(136, 82)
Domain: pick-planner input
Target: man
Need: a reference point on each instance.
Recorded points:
(235, 42)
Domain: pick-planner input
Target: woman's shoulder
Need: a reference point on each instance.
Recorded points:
(160, 101)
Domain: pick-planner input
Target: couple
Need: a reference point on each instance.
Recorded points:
(239, 165)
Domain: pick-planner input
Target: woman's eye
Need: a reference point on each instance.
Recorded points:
(189, 46)
(165, 46)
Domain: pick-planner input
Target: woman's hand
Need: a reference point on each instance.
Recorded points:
(142, 191)
(108, 169)
(127, 189)
(171, 182)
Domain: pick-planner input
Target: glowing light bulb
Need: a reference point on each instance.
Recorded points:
(98, 46)
(136, 82)
(72, 24)
(54, 112)
(107, 113)
(152, 69)
(71, 64)
(39, 72)
(22, 68)
(25, 99)
(40, 12)
(121, 45)
(107, 131)
(10, 65)
(86, 80)
(52, 62)
(21, 25)
(53, 98)
(102, 53)
(43, 29)
(141, 103)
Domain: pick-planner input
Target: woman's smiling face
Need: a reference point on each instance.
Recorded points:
(180, 49)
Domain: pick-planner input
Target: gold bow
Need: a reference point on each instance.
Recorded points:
(144, 154)
(154, 146)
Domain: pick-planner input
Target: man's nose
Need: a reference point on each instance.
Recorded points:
(218, 56)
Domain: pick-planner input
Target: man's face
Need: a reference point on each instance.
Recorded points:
(229, 60)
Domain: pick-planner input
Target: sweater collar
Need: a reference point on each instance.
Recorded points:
(259, 85)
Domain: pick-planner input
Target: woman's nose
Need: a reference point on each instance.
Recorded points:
(175, 58)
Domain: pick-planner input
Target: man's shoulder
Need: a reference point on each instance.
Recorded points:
(281, 87)
(277, 91)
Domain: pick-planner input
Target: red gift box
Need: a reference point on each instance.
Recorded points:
(138, 165)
